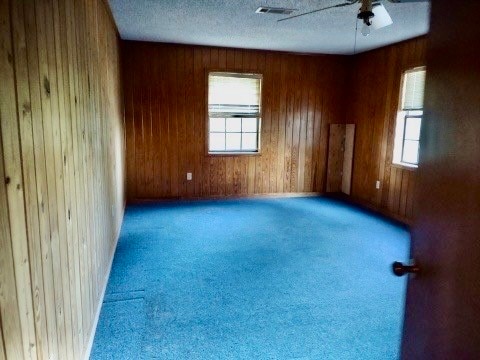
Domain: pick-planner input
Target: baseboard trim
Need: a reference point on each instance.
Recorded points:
(88, 349)
(366, 205)
(225, 197)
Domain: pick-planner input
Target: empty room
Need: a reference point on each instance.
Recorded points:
(274, 179)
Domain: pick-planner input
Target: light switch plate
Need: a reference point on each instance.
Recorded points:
(189, 176)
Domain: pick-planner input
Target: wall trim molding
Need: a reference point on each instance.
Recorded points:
(371, 207)
(225, 197)
(88, 349)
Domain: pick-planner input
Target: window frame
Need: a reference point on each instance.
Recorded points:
(402, 115)
(240, 74)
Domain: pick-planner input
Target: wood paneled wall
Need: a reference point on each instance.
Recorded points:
(61, 171)
(372, 105)
(165, 112)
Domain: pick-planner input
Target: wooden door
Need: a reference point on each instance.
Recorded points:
(442, 319)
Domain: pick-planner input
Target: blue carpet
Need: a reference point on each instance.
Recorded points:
(299, 278)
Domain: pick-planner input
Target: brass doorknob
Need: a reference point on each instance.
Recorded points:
(400, 269)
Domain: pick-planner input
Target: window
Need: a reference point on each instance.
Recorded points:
(409, 118)
(234, 104)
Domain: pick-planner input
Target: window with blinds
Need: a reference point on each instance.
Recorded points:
(413, 89)
(409, 119)
(234, 111)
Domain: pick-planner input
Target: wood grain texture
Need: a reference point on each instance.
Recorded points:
(442, 304)
(61, 170)
(348, 158)
(336, 145)
(166, 118)
(374, 92)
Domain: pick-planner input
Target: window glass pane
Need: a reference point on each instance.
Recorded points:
(249, 141)
(398, 143)
(217, 142)
(249, 125)
(233, 141)
(412, 128)
(410, 151)
(217, 124)
(234, 125)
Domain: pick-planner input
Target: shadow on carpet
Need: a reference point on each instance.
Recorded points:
(299, 278)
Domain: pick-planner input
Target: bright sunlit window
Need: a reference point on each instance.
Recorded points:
(409, 118)
(234, 104)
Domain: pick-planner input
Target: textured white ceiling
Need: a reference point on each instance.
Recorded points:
(234, 23)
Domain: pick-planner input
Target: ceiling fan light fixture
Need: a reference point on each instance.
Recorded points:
(366, 16)
(365, 30)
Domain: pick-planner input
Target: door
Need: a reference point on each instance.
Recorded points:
(442, 315)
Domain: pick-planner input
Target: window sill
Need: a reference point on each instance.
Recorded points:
(405, 166)
(233, 153)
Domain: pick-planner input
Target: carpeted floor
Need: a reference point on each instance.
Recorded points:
(298, 278)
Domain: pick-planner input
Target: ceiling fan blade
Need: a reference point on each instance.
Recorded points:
(407, 1)
(322, 9)
(382, 17)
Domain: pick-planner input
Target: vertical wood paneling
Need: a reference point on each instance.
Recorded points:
(75, 208)
(318, 149)
(374, 109)
(309, 141)
(31, 181)
(62, 171)
(14, 189)
(49, 105)
(273, 163)
(282, 104)
(266, 122)
(301, 95)
(128, 82)
(10, 317)
(336, 152)
(190, 123)
(2, 346)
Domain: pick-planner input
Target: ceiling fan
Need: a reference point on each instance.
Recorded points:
(372, 13)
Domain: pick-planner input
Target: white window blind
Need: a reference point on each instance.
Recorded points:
(413, 90)
(234, 95)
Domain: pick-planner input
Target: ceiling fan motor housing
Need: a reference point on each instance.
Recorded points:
(366, 12)
(366, 16)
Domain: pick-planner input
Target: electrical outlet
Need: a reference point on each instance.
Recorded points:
(189, 176)
(377, 184)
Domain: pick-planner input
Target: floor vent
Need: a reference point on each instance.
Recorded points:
(274, 10)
